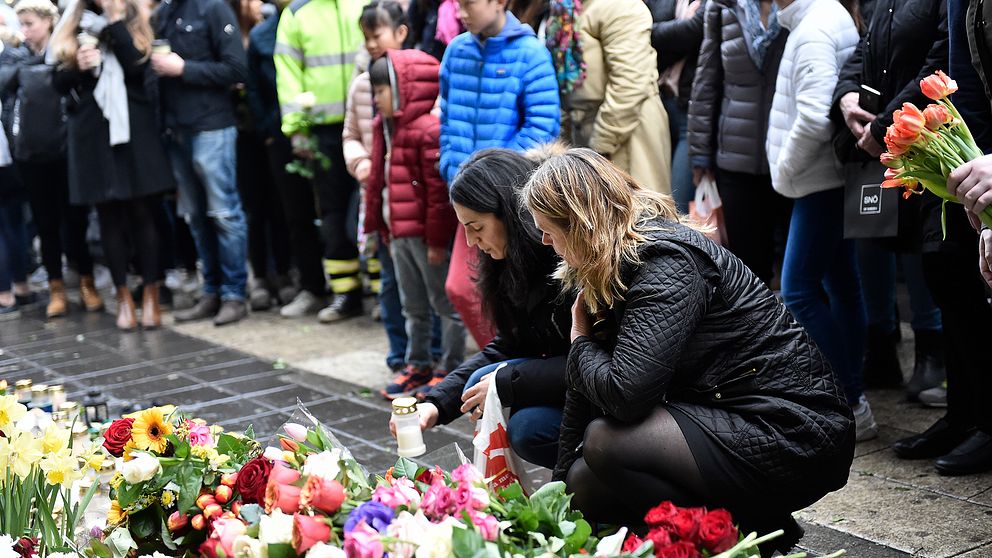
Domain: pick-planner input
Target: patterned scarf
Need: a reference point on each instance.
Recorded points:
(563, 42)
(758, 36)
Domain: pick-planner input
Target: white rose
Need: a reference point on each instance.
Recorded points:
(276, 528)
(247, 547)
(325, 465)
(323, 550)
(306, 100)
(143, 467)
(273, 454)
(435, 542)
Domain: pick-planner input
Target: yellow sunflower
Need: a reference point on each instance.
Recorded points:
(150, 430)
(116, 515)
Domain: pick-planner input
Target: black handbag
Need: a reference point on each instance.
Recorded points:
(870, 211)
(39, 131)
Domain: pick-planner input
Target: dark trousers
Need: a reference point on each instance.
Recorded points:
(59, 224)
(299, 207)
(131, 227)
(268, 235)
(756, 217)
(13, 236)
(335, 190)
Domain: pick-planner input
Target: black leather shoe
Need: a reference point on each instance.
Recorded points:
(939, 439)
(973, 456)
(928, 371)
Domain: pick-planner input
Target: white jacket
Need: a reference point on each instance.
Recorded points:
(822, 36)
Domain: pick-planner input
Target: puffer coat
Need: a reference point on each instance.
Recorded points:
(699, 332)
(501, 93)
(731, 96)
(418, 196)
(358, 114)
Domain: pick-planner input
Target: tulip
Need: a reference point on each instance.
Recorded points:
(229, 479)
(325, 495)
(908, 184)
(297, 432)
(308, 531)
(177, 521)
(891, 161)
(223, 494)
(236, 507)
(289, 445)
(936, 116)
(283, 474)
(205, 500)
(283, 497)
(199, 522)
(910, 118)
(938, 86)
(213, 511)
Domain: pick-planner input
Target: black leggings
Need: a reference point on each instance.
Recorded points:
(131, 227)
(59, 224)
(268, 235)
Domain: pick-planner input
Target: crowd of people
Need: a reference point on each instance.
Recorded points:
(406, 148)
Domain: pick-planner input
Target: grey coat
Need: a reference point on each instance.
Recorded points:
(731, 96)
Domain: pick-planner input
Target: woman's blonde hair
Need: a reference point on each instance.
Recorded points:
(65, 42)
(604, 213)
(40, 8)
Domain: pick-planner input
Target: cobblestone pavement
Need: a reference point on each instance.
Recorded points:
(254, 372)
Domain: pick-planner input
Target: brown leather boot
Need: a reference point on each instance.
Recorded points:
(126, 319)
(89, 295)
(151, 314)
(58, 302)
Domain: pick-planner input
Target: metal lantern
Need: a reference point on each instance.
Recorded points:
(95, 405)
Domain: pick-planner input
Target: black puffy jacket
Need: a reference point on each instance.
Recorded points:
(699, 332)
(677, 39)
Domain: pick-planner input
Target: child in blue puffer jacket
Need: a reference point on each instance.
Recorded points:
(498, 89)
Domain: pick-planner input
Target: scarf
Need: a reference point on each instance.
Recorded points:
(759, 37)
(563, 42)
(448, 24)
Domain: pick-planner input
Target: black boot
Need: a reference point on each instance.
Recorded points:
(928, 372)
(881, 364)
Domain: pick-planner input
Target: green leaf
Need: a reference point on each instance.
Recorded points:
(120, 542)
(281, 551)
(250, 432)
(190, 482)
(577, 539)
(143, 525)
(98, 549)
(512, 492)
(127, 494)
(166, 535)
(406, 468)
(466, 543)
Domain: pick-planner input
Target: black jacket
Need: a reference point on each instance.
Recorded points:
(206, 35)
(262, 95)
(543, 332)
(100, 173)
(38, 131)
(699, 332)
(677, 39)
(10, 61)
(906, 42)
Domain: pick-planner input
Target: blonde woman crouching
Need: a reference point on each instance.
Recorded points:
(688, 379)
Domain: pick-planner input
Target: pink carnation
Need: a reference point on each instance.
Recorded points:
(401, 493)
(199, 434)
(467, 473)
(439, 501)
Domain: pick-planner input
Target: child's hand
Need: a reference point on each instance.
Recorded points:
(363, 170)
(437, 256)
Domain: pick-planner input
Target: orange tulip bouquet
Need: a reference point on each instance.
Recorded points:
(924, 146)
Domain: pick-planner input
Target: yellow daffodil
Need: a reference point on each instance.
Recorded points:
(26, 453)
(10, 411)
(116, 515)
(150, 430)
(61, 468)
(89, 454)
(55, 439)
(6, 452)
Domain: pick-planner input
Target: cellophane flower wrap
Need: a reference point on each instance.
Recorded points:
(924, 146)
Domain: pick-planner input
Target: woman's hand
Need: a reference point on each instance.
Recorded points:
(87, 57)
(972, 184)
(856, 118)
(474, 398)
(869, 145)
(581, 325)
(698, 173)
(428, 417)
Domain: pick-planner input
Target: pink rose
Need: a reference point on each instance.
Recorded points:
(467, 473)
(308, 531)
(283, 473)
(199, 434)
(325, 495)
(224, 531)
(486, 524)
(283, 497)
(438, 501)
(363, 542)
(401, 493)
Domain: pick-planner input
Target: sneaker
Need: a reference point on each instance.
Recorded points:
(207, 307)
(935, 397)
(343, 307)
(10, 312)
(287, 293)
(864, 420)
(260, 298)
(437, 378)
(304, 303)
(408, 381)
(231, 311)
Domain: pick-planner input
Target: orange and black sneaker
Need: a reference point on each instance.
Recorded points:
(437, 378)
(411, 378)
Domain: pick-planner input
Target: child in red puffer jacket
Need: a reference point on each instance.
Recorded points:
(417, 219)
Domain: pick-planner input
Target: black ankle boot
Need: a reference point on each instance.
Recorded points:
(928, 372)
(881, 363)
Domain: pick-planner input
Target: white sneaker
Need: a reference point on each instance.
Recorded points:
(866, 427)
(304, 303)
(935, 396)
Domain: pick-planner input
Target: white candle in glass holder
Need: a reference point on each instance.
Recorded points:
(409, 438)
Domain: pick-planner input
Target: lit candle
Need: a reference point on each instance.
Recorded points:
(409, 438)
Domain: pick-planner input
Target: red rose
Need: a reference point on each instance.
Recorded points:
(117, 436)
(685, 524)
(209, 548)
(681, 549)
(252, 479)
(25, 546)
(658, 514)
(660, 537)
(632, 543)
(717, 532)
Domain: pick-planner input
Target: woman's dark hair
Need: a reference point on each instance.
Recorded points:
(490, 181)
(383, 12)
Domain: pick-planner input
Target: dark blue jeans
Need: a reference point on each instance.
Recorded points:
(13, 242)
(683, 190)
(821, 286)
(878, 279)
(533, 431)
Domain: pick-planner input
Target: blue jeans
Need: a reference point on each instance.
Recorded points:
(878, 279)
(13, 242)
(204, 166)
(821, 287)
(683, 190)
(533, 431)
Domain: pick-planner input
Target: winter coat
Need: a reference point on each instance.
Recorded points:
(418, 197)
(501, 93)
(38, 133)
(677, 39)
(99, 173)
(205, 34)
(906, 42)
(357, 134)
(822, 36)
(698, 331)
(261, 84)
(544, 323)
(978, 22)
(617, 110)
(731, 96)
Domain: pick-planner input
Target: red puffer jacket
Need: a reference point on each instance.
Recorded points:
(418, 196)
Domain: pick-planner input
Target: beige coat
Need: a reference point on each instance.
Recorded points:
(617, 110)
(357, 135)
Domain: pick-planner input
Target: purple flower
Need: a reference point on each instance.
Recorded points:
(375, 514)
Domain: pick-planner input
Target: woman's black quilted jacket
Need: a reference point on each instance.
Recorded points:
(698, 331)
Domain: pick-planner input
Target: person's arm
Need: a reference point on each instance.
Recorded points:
(541, 104)
(848, 81)
(355, 153)
(624, 38)
(707, 91)
(535, 382)
(131, 59)
(225, 42)
(447, 395)
(253, 85)
(447, 166)
(288, 59)
(675, 39)
(439, 226)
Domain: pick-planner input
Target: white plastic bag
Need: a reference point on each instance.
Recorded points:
(707, 209)
(493, 455)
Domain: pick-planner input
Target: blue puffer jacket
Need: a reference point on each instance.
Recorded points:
(499, 94)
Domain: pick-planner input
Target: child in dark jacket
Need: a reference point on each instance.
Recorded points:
(416, 216)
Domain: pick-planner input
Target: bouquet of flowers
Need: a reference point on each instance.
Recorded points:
(39, 509)
(174, 475)
(924, 146)
(305, 142)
